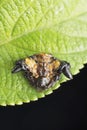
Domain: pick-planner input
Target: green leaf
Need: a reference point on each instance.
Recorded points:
(33, 26)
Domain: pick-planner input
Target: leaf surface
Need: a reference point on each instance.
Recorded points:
(27, 27)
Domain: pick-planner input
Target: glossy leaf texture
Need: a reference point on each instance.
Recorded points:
(28, 27)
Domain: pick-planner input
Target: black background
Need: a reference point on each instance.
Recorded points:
(64, 109)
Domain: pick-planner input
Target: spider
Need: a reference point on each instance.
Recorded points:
(43, 70)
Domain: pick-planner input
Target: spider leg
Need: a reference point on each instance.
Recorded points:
(19, 66)
(30, 77)
(16, 69)
(65, 69)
